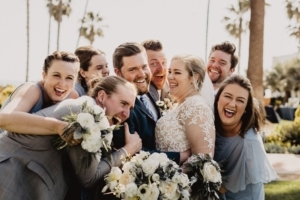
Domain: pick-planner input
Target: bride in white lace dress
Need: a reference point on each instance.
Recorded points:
(191, 124)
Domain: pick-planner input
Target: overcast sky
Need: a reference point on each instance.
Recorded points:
(179, 24)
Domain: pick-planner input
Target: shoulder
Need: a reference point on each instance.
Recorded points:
(251, 134)
(79, 89)
(196, 101)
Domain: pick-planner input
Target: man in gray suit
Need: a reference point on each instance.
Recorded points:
(157, 61)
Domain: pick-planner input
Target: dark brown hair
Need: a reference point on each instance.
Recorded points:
(229, 48)
(59, 55)
(154, 45)
(85, 54)
(125, 50)
(252, 117)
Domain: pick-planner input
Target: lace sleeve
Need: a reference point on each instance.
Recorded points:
(198, 120)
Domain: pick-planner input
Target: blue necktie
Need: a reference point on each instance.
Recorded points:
(144, 101)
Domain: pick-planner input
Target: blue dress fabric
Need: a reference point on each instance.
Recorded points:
(79, 89)
(245, 164)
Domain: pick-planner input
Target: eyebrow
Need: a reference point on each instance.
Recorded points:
(237, 97)
(126, 103)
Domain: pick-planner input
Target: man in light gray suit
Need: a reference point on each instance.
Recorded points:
(157, 61)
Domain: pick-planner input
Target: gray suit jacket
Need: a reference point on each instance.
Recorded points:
(164, 92)
(31, 168)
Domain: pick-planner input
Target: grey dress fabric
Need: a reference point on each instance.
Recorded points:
(31, 168)
(246, 166)
(35, 108)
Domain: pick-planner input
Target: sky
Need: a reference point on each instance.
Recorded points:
(179, 24)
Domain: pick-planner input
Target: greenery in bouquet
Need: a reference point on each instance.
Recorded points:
(165, 106)
(91, 126)
(205, 175)
(148, 176)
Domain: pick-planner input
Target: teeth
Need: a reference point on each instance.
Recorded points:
(230, 111)
(141, 81)
(214, 71)
(60, 90)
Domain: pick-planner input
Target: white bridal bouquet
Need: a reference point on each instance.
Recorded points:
(148, 177)
(205, 175)
(92, 126)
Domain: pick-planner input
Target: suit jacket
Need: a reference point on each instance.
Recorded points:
(30, 168)
(164, 92)
(142, 122)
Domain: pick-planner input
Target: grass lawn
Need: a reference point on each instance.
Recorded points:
(283, 190)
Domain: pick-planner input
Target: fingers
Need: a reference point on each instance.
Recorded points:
(126, 128)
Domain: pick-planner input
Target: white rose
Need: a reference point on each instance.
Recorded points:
(91, 142)
(95, 129)
(169, 189)
(141, 155)
(97, 109)
(104, 123)
(149, 166)
(185, 194)
(114, 174)
(154, 192)
(155, 177)
(160, 157)
(181, 178)
(210, 173)
(126, 178)
(127, 166)
(131, 190)
(85, 120)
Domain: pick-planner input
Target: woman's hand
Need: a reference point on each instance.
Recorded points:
(133, 142)
(222, 189)
(185, 155)
(69, 137)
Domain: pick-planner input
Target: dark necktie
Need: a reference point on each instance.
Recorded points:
(145, 102)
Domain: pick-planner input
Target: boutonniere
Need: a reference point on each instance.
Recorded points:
(165, 106)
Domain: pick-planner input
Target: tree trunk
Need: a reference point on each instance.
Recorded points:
(59, 21)
(240, 44)
(49, 27)
(255, 63)
(27, 29)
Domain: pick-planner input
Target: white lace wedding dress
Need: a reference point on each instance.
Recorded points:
(170, 129)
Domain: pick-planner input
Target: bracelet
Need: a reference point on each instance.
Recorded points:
(125, 151)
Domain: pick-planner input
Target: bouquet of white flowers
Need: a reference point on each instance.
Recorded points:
(205, 175)
(148, 177)
(92, 126)
(165, 106)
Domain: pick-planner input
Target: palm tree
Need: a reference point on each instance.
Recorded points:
(27, 29)
(293, 13)
(91, 26)
(255, 63)
(237, 25)
(58, 10)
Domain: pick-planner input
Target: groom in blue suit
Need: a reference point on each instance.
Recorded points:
(130, 62)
